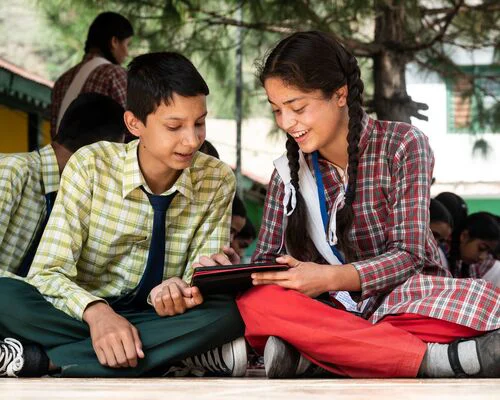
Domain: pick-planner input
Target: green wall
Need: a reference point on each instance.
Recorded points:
(490, 205)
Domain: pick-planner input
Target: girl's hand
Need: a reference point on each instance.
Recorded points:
(308, 278)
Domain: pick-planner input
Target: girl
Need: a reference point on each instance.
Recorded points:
(473, 246)
(347, 209)
(441, 226)
(106, 48)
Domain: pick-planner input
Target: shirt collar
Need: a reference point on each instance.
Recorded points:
(133, 178)
(50, 169)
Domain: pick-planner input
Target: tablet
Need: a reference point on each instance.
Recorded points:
(229, 278)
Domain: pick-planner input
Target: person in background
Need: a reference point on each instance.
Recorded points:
(472, 254)
(457, 207)
(238, 217)
(244, 239)
(208, 148)
(441, 226)
(29, 181)
(106, 48)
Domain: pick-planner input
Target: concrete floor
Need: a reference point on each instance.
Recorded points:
(256, 388)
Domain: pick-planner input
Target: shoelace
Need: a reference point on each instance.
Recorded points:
(211, 361)
(11, 357)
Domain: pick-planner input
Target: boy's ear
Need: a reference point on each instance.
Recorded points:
(134, 125)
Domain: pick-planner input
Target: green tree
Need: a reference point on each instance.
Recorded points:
(385, 35)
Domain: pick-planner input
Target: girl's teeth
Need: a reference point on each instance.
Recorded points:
(299, 134)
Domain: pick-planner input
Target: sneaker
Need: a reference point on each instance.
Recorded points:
(488, 353)
(229, 359)
(11, 357)
(282, 360)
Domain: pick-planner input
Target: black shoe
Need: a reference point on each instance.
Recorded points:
(229, 359)
(11, 357)
(488, 353)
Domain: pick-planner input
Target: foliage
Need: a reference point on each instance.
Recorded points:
(421, 31)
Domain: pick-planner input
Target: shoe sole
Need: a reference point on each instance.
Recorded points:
(239, 351)
(277, 348)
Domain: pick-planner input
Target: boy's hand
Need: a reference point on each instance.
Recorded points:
(115, 340)
(174, 296)
(228, 257)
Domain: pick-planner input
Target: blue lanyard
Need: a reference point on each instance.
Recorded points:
(322, 202)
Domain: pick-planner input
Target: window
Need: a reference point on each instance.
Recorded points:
(473, 100)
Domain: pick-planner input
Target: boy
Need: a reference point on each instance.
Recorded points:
(106, 254)
(29, 181)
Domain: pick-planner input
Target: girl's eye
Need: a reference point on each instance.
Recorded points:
(276, 111)
(201, 123)
(173, 128)
(299, 110)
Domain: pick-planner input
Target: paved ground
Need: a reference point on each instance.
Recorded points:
(257, 388)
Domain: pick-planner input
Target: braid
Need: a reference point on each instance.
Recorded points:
(298, 242)
(345, 215)
(292, 153)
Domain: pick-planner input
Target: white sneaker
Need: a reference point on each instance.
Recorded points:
(282, 360)
(11, 357)
(229, 359)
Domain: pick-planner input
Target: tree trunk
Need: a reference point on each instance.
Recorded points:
(391, 101)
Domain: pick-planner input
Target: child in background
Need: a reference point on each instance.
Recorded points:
(441, 226)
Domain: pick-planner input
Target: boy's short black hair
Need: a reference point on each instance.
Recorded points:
(91, 117)
(153, 78)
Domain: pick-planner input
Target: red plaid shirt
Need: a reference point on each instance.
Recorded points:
(107, 79)
(397, 258)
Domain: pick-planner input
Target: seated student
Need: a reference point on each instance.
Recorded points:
(347, 209)
(244, 239)
(493, 273)
(457, 207)
(209, 148)
(441, 226)
(238, 217)
(128, 222)
(471, 255)
(29, 181)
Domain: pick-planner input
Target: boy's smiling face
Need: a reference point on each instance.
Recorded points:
(170, 138)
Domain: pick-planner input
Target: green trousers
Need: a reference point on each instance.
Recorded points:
(28, 317)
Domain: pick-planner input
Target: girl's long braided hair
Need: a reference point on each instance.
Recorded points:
(310, 61)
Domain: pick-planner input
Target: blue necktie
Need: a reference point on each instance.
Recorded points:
(30, 254)
(153, 274)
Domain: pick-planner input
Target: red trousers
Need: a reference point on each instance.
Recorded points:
(341, 342)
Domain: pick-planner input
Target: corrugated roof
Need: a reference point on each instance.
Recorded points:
(24, 88)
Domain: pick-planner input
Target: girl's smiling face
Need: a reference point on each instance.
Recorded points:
(314, 121)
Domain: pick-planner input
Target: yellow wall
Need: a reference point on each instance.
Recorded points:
(14, 131)
(45, 139)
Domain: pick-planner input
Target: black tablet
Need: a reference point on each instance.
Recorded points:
(229, 278)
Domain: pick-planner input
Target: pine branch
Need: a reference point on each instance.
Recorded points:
(439, 36)
(489, 7)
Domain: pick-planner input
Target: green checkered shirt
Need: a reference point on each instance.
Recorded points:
(96, 242)
(25, 178)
